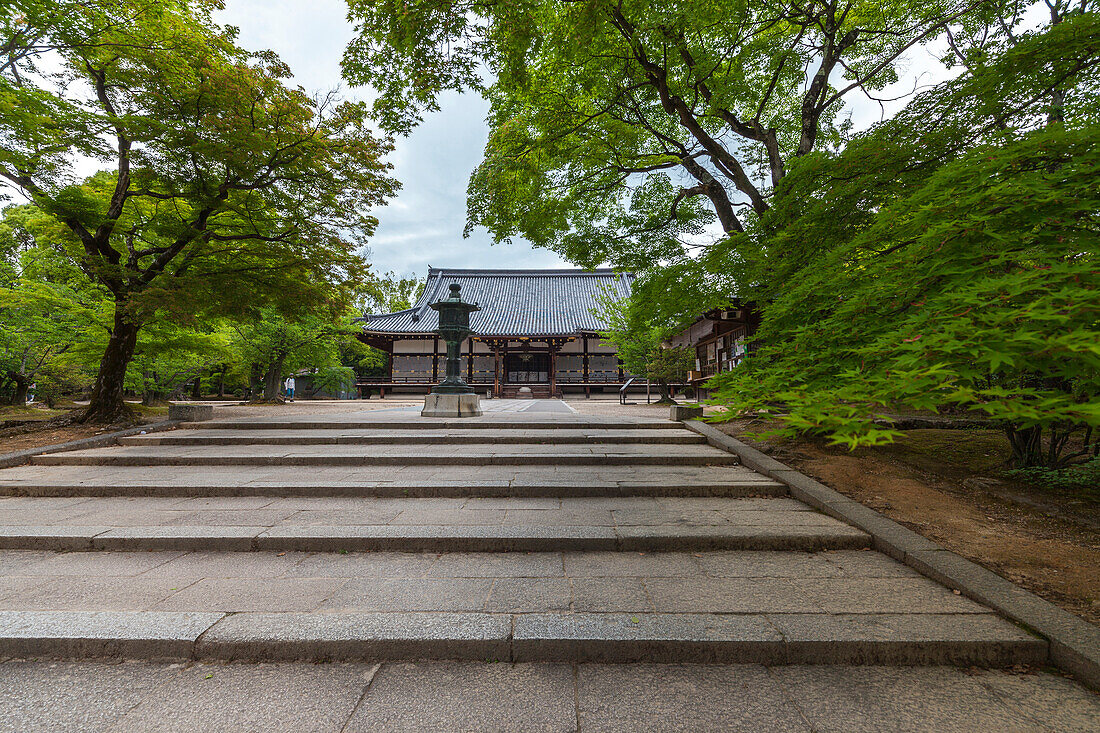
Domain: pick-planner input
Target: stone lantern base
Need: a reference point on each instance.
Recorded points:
(451, 405)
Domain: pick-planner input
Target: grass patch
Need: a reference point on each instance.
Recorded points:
(969, 451)
(1081, 480)
(140, 410)
(11, 412)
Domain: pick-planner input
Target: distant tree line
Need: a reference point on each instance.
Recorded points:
(224, 236)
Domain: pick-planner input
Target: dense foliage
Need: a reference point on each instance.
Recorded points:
(945, 258)
(633, 132)
(978, 290)
(961, 270)
(57, 322)
(228, 189)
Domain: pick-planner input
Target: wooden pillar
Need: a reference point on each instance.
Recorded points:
(584, 367)
(435, 359)
(496, 369)
(553, 368)
(469, 361)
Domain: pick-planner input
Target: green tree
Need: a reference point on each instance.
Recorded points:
(41, 325)
(47, 307)
(642, 344)
(961, 266)
(277, 345)
(621, 131)
(388, 293)
(168, 356)
(227, 189)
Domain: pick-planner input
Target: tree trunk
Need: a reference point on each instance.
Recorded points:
(221, 382)
(1027, 446)
(196, 393)
(22, 385)
(274, 377)
(663, 392)
(107, 405)
(146, 388)
(255, 380)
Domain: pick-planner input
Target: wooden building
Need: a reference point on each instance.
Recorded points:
(535, 329)
(721, 338)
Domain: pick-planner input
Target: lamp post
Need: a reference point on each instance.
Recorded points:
(453, 397)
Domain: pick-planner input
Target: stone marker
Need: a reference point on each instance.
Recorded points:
(685, 412)
(190, 413)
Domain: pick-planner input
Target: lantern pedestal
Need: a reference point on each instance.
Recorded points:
(451, 405)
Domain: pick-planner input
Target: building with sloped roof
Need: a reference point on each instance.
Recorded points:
(536, 329)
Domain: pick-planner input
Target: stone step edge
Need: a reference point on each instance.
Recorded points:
(419, 538)
(418, 423)
(732, 489)
(422, 459)
(896, 639)
(677, 438)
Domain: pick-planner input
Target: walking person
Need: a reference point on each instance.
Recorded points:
(289, 385)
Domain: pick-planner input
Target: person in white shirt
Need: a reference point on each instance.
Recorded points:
(289, 385)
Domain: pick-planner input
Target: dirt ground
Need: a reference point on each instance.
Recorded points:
(947, 485)
(44, 430)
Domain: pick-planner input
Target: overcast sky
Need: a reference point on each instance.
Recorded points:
(423, 225)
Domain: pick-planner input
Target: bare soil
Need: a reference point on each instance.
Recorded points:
(57, 429)
(948, 485)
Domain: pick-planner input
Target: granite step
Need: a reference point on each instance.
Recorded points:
(326, 436)
(386, 481)
(429, 538)
(480, 695)
(411, 420)
(409, 524)
(848, 607)
(965, 640)
(477, 454)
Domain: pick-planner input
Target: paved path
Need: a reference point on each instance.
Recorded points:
(564, 557)
(434, 697)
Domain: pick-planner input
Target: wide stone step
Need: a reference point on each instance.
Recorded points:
(407, 524)
(896, 639)
(446, 695)
(478, 454)
(415, 437)
(430, 538)
(387, 481)
(853, 607)
(411, 420)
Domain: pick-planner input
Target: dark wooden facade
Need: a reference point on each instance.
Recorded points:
(721, 339)
(535, 329)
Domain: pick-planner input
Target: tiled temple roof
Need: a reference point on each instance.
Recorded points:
(513, 302)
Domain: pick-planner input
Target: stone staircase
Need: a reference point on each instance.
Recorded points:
(384, 536)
